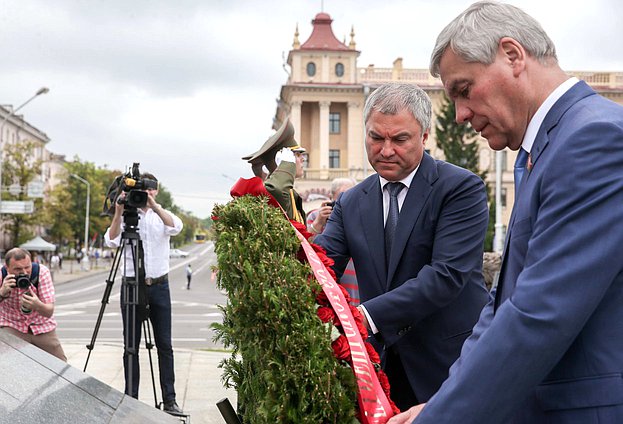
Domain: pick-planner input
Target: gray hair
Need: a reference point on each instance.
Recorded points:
(475, 34)
(392, 98)
(17, 253)
(338, 183)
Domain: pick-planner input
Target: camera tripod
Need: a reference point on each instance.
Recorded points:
(133, 300)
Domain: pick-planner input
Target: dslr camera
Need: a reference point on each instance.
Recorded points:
(135, 186)
(22, 281)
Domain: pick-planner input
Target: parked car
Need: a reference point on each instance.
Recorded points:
(177, 253)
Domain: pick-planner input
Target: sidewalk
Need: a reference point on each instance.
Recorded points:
(198, 378)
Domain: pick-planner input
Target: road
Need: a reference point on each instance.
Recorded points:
(78, 304)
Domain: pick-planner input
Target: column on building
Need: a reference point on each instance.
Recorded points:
(323, 139)
(355, 147)
(295, 119)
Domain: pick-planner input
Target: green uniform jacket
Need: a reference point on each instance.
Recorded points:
(280, 184)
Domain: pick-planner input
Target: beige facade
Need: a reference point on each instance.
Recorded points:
(16, 129)
(324, 98)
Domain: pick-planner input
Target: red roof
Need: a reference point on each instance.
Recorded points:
(322, 37)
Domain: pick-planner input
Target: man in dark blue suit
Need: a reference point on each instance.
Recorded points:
(549, 347)
(415, 231)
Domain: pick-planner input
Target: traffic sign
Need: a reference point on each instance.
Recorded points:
(15, 189)
(17, 206)
(35, 189)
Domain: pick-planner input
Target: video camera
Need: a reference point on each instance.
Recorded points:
(132, 183)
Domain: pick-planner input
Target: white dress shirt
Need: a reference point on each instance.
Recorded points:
(401, 196)
(155, 237)
(541, 112)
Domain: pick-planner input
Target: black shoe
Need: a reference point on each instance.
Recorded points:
(171, 407)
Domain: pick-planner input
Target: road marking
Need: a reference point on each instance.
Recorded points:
(84, 289)
(68, 313)
(209, 246)
(85, 304)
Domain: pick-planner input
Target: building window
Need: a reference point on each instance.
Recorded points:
(334, 123)
(504, 162)
(339, 69)
(503, 195)
(334, 158)
(311, 69)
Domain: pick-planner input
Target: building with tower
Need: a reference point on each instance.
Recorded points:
(324, 98)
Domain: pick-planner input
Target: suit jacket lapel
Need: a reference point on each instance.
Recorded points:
(371, 216)
(541, 141)
(420, 189)
(571, 97)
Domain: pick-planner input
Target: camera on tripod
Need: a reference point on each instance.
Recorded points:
(134, 185)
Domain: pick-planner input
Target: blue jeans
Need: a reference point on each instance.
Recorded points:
(159, 300)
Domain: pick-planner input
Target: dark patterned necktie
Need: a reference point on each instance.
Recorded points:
(520, 167)
(392, 216)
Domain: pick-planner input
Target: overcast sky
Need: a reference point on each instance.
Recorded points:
(188, 87)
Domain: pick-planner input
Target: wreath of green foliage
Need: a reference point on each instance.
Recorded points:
(282, 365)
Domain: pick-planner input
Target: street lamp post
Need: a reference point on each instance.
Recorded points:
(39, 92)
(86, 218)
(364, 158)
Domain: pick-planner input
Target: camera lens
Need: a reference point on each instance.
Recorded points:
(137, 199)
(22, 281)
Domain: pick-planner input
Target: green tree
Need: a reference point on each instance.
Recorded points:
(165, 199)
(57, 215)
(460, 147)
(21, 166)
(66, 205)
(100, 180)
(191, 223)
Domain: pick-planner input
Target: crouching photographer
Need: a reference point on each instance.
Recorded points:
(27, 302)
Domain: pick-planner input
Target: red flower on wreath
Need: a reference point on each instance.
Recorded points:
(341, 349)
(327, 314)
(373, 354)
(322, 299)
(385, 386)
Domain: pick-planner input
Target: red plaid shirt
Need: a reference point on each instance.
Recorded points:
(10, 315)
